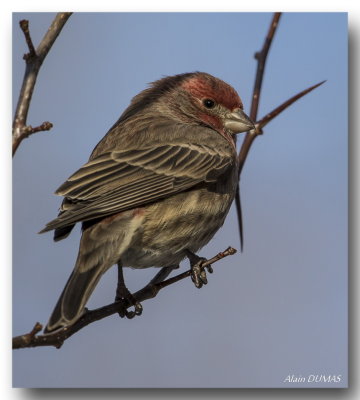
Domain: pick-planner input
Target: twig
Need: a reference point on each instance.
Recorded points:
(34, 60)
(27, 338)
(24, 25)
(239, 214)
(245, 148)
(261, 57)
(58, 337)
(251, 135)
(228, 252)
(274, 113)
(29, 130)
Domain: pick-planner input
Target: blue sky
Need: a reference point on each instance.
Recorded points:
(278, 308)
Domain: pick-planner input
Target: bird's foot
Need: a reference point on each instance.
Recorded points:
(198, 270)
(123, 294)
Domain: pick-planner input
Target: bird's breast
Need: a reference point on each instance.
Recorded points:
(187, 220)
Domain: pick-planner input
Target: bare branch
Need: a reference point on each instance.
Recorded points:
(28, 130)
(239, 214)
(274, 113)
(261, 57)
(24, 25)
(266, 119)
(58, 337)
(251, 135)
(34, 60)
(228, 252)
(27, 338)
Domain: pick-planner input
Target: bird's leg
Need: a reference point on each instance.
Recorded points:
(123, 293)
(198, 273)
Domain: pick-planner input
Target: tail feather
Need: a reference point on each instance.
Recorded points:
(102, 245)
(71, 303)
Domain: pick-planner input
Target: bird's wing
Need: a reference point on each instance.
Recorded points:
(121, 180)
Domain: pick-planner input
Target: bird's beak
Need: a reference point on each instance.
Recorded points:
(237, 122)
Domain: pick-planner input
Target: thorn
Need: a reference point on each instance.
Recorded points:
(278, 110)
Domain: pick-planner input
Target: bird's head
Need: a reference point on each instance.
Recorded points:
(195, 98)
(215, 103)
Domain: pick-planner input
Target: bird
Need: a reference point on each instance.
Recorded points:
(156, 188)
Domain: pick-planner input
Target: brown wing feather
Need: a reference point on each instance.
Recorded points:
(121, 180)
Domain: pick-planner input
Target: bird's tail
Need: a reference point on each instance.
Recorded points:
(71, 303)
(102, 245)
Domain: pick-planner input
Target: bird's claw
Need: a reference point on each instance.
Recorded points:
(198, 275)
(131, 299)
(131, 314)
(198, 272)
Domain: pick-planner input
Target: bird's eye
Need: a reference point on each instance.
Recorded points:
(208, 103)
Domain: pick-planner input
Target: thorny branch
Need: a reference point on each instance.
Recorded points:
(34, 60)
(250, 136)
(261, 58)
(58, 337)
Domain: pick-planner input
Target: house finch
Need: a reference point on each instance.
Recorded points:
(155, 189)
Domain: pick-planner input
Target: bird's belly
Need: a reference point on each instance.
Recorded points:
(184, 221)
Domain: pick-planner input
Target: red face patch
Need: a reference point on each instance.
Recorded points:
(211, 120)
(208, 87)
